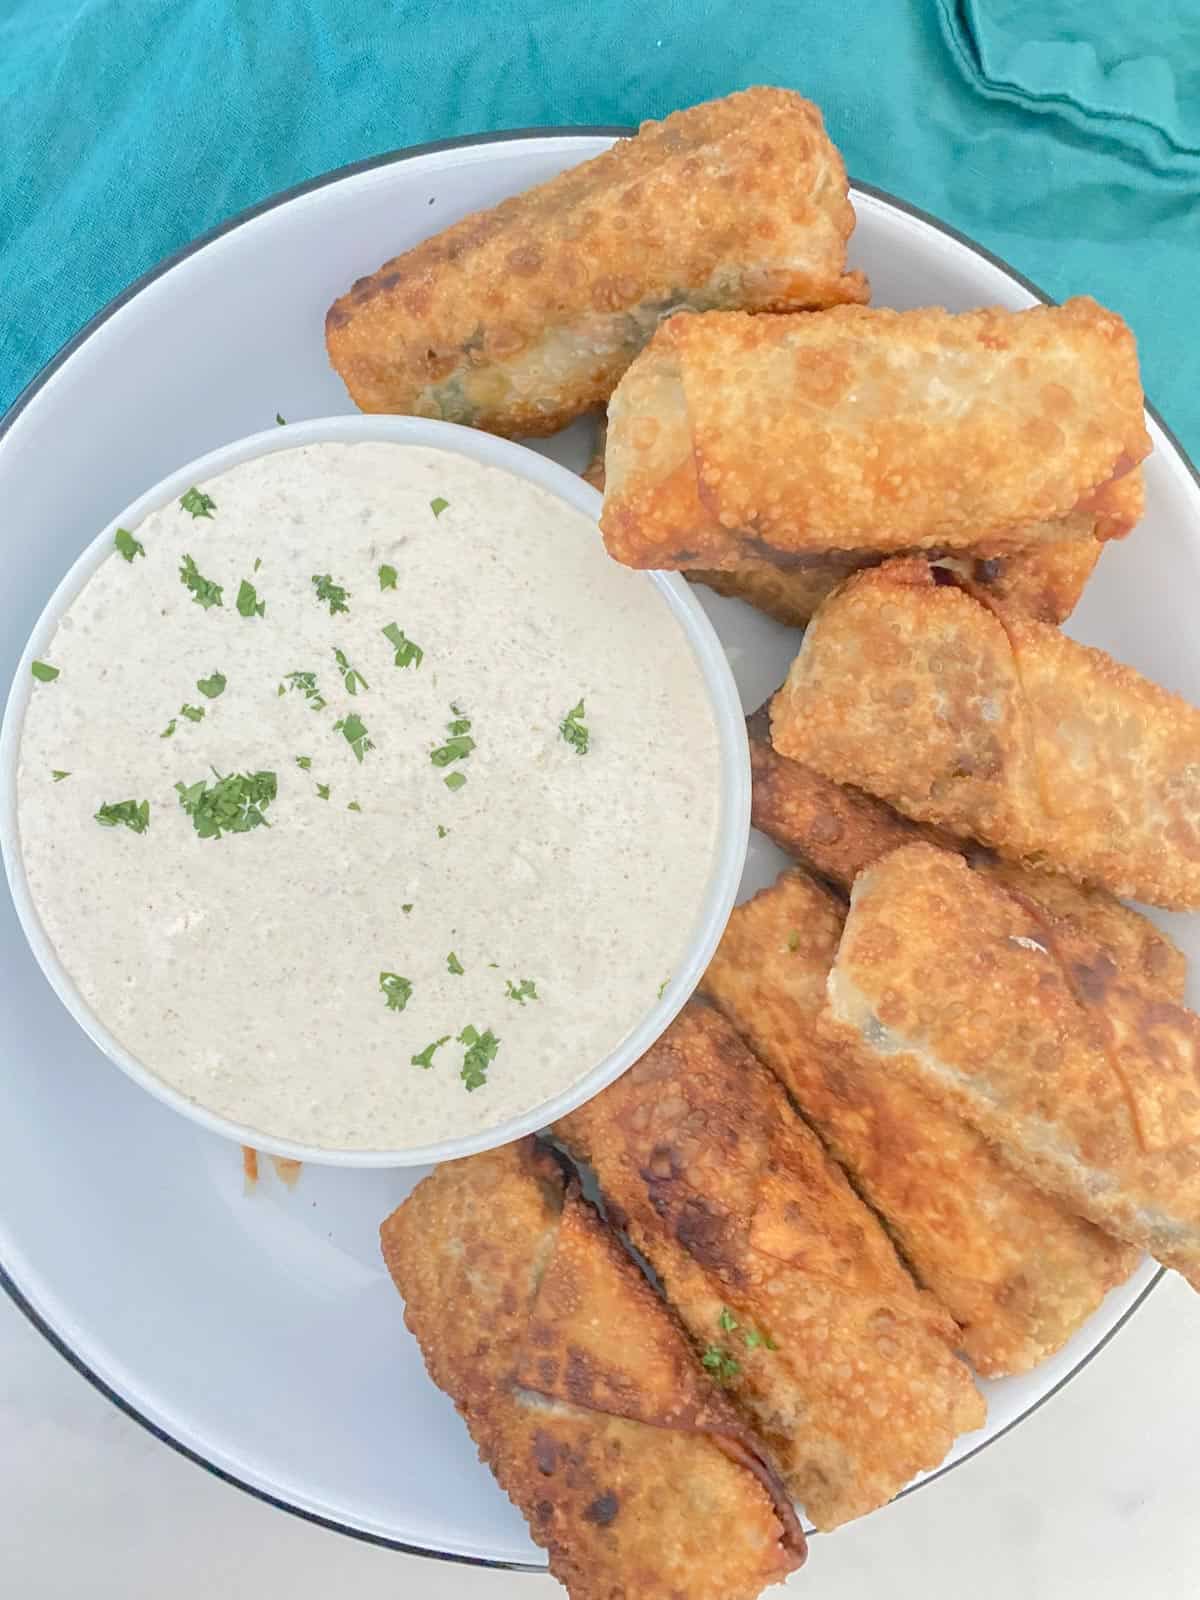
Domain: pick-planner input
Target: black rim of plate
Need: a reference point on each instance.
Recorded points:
(37, 383)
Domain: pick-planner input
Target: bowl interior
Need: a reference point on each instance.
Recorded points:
(259, 1331)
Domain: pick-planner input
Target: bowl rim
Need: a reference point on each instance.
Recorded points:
(729, 846)
(47, 373)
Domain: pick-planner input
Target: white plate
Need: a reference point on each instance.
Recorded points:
(259, 1332)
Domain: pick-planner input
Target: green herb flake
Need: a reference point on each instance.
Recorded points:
(323, 791)
(304, 761)
(330, 593)
(127, 545)
(387, 577)
(457, 747)
(407, 907)
(573, 731)
(454, 965)
(133, 814)
(526, 989)
(480, 1053)
(169, 731)
(755, 1340)
(720, 1363)
(192, 713)
(455, 781)
(58, 775)
(280, 420)
(353, 806)
(198, 503)
(354, 730)
(424, 1058)
(350, 676)
(204, 592)
(408, 654)
(257, 563)
(727, 1322)
(662, 987)
(397, 990)
(439, 505)
(213, 686)
(442, 832)
(43, 671)
(306, 682)
(793, 942)
(248, 603)
(233, 804)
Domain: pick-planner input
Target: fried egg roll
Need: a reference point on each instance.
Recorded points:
(787, 1283)
(521, 318)
(632, 1469)
(999, 728)
(1088, 1085)
(871, 430)
(1018, 1271)
(838, 832)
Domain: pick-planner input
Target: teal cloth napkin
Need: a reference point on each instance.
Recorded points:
(1062, 134)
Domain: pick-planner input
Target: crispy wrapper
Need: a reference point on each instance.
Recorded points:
(1088, 1085)
(838, 832)
(581, 1391)
(786, 1281)
(871, 430)
(1018, 1271)
(1001, 729)
(521, 318)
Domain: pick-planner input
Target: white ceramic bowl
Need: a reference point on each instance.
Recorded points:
(734, 813)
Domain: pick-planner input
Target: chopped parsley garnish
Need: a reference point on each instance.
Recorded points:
(233, 804)
(213, 686)
(257, 563)
(456, 748)
(408, 654)
(199, 504)
(169, 730)
(397, 990)
(192, 713)
(280, 420)
(662, 987)
(407, 908)
(442, 832)
(728, 1323)
(304, 761)
(454, 781)
(720, 1363)
(353, 806)
(351, 677)
(526, 989)
(204, 592)
(387, 577)
(330, 593)
(248, 603)
(127, 545)
(454, 965)
(354, 730)
(306, 682)
(43, 671)
(424, 1058)
(438, 505)
(573, 731)
(480, 1053)
(323, 791)
(133, 814)
(58, 775)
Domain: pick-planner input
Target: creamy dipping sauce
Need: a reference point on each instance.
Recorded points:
(468, 854)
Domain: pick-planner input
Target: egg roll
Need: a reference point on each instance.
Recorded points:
(1018, 1271)
(521, 318)
(999, 728)
(1087, 1085)
(871, 430)
(632, 1468)
(787, 1283)
(838, 832)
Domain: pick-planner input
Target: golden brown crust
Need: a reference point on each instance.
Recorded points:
(871, 429)
(1017, 1270)
(999, 728)
(579, 1389)
(759, 1241)
(520, 318)
(1088, 1083)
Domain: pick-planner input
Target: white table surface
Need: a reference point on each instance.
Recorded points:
(1096, 1495)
